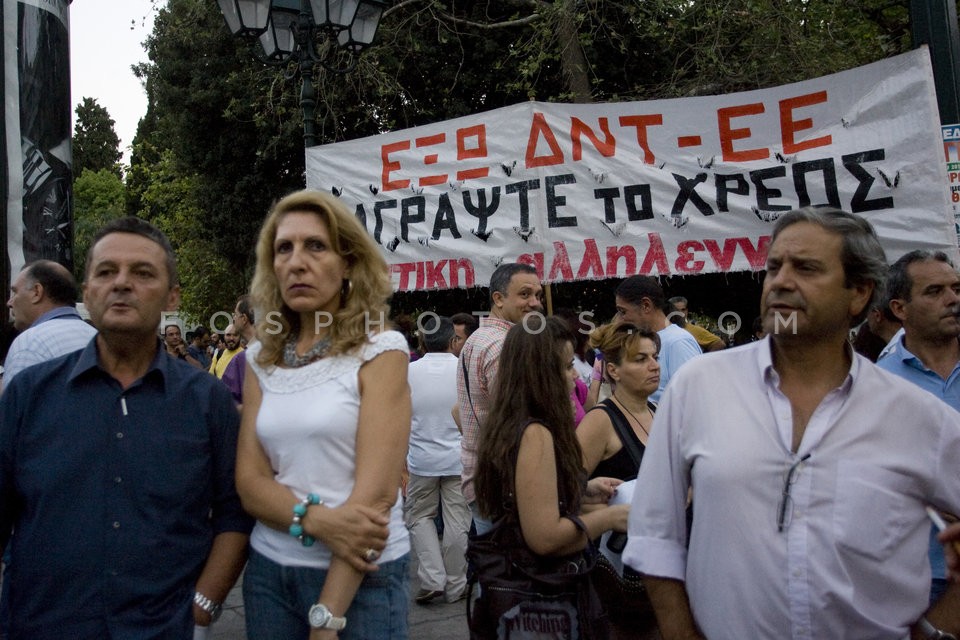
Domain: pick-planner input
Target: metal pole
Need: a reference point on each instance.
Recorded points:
(934, 23)
(308, 103)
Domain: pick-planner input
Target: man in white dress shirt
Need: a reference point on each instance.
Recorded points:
(810, 467)
(434, 463)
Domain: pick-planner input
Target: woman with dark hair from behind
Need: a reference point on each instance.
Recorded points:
(529, 464)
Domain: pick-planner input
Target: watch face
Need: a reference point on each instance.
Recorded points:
(319, 616)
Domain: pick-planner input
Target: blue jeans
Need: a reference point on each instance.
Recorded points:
(276, 600)
(480, 524)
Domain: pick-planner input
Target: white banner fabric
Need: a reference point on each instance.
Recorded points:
(664, 187)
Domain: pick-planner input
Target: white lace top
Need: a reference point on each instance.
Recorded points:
(307, 426)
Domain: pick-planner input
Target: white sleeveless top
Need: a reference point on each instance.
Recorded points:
(307, 425)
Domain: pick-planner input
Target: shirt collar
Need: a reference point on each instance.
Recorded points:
(56, 312)
(899, 350)
(772, 378)
(437, 355)
(493, 321)
(89, 363)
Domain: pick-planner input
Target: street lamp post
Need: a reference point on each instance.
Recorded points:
(331, 33)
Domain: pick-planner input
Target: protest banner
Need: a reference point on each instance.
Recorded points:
(665, 187)
(951, 157)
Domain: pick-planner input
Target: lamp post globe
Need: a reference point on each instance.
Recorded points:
(308, 33)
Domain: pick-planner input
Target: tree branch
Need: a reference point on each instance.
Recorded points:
(519, 22)
(533, 17)
(399, 6)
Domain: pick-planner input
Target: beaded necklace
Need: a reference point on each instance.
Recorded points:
(292, 360)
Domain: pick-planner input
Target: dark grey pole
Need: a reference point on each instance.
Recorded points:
(308, 102)
(934, 23)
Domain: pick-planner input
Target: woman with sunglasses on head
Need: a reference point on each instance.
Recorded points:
(630, 365)
(613, 437)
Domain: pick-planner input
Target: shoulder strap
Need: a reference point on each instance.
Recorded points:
(622, 427)
(466, 386)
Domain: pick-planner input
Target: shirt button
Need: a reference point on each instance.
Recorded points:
(797, 573)
(119, 435)
(116, 525)
(118, 479)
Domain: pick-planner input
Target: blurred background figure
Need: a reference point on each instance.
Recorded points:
(176, 347)
(232, 346)
(234, 374)
(679, 315)
(199, 346)
(876, 332)
(464, 324)
(44, 291)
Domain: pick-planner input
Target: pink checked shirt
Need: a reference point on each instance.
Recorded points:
(481, 353)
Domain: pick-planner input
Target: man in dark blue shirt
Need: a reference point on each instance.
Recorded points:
(116, 468)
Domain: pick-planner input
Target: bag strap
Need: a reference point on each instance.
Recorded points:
(466, 386)
(622, 427)
(575, 519)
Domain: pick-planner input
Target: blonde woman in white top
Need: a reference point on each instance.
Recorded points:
(326, 419)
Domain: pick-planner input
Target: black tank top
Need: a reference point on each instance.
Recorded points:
(620, 465)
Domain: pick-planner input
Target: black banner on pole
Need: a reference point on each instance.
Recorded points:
(37, 133)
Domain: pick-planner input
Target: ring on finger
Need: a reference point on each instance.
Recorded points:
(371, 555)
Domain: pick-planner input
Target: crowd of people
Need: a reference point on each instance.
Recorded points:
(776, 488)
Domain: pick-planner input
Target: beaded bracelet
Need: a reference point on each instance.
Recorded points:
(299, 511)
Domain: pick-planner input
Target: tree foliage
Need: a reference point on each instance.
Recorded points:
(171, 200)
(203, 91)
(98, 197)
(96, 145)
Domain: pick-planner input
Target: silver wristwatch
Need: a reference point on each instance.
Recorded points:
(208, 605)
(321, 618)
(930, 632)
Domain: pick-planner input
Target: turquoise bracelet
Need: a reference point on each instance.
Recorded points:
(299, 511)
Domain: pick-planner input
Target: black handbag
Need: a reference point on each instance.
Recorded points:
(523, 595)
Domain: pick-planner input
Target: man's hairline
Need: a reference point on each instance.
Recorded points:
(163, 250)
(912, 281)
(506, 293)
(638, 304)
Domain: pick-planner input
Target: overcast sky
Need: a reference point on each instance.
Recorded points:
(106, 39)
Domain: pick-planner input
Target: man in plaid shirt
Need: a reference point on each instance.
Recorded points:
(514, 292)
